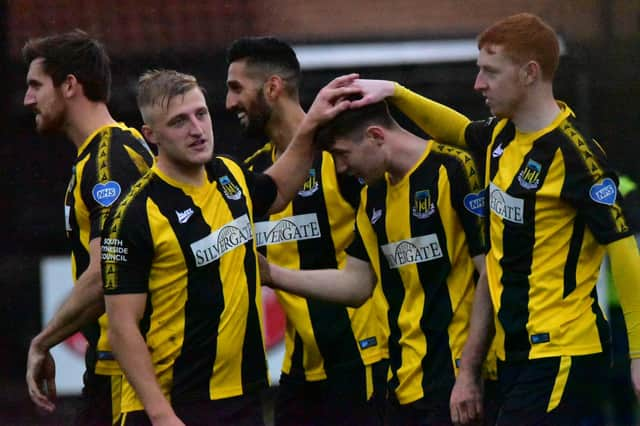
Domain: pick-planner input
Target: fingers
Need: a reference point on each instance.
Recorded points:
(343, 80)
(469, 411)
(363, 101)
(40, 399)
(51, 388)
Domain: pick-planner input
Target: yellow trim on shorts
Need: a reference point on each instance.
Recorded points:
(560, 383)
(116, 398)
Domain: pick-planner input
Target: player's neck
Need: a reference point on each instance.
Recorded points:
(283, 125)
(405, 151)
(192, 175)
(537, 111)
(85, 118)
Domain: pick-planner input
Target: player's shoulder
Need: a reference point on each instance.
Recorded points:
(447, 154)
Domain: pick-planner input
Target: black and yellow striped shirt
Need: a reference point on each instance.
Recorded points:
(420, 235)
(553, 206)
(192, 250)
(312, 232)
(109, 161)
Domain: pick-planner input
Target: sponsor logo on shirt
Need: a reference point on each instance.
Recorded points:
(229, 188)
(412, 250)
(114, 250)
(474, 202)
(232, 235)
(106, 193)
(310, 185)
(423, 206)
(505, 206)
(376, 215)
(184, 216)
(292, 228)
(529, 177)
(604, 192)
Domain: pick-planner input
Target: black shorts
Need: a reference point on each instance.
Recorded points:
(564, 390)
(243, 410)
(96, 405)
(352, 395)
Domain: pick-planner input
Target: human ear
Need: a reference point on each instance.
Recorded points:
(273, 86)
(149, 134)
(70, 86)
(375, 134)
(530, 72)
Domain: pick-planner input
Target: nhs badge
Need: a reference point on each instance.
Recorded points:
(229, 188)
(310, 185)
(474, 202)
(423, 206)
(107, 193)
(605, 192)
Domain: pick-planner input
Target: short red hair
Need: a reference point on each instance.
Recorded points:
(525, 37)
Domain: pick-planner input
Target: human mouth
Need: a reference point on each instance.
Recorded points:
(199, 144)
(243, 118)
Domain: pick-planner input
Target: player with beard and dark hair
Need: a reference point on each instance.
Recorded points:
(68, 85)
(334, 371)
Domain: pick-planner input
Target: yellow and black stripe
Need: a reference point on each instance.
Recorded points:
(111, 159)
(420, 235)
(548, 228)
(312, 232)
(192, 250)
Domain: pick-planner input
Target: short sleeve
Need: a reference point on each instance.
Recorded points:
(468, 200)
(109, 175)
(263, 191)
(591, 187)
(127, 249)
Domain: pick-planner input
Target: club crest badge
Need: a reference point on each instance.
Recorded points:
(529, 177)
(310, 185)
(106, 193)
(423, 206)
(229, 188)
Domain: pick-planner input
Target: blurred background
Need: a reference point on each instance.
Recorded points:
(426, 45)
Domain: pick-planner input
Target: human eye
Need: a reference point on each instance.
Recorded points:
(177, 121)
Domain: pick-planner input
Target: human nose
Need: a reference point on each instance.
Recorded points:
(480, 83)
(231, 101)
(29, 98)
(341, 165)
(196, 127)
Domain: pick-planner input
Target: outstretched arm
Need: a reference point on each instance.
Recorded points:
(350, 286)
(625, 268)
(439, 121)
(466, 402)
(84, 304)
(292, 168)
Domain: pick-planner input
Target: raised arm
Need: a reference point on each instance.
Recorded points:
(350, 286)
(84, 304)
(625, 268)
(439, 121)
(292, 168)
